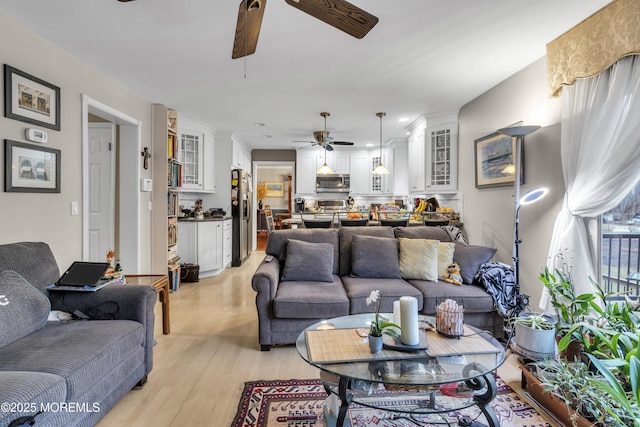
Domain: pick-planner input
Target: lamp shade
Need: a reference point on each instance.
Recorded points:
(325, 170)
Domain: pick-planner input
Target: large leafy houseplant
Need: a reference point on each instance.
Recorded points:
(607, 325)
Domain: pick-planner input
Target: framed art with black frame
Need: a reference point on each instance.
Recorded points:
(495, 161)
(30, 168)
(30, 99)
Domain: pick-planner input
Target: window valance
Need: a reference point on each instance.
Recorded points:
(594, 44)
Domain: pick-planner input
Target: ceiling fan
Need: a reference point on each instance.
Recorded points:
(323, 138)
(338, 13)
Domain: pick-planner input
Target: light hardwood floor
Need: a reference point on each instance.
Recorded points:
(212, 350)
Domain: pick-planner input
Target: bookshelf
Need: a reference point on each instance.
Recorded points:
(167, 176)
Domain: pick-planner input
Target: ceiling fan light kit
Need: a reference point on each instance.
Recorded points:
(380, 169)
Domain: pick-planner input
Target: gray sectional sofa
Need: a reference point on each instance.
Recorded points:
(310, 275)
(67, 373)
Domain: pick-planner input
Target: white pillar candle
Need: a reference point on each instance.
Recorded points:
(409, 321)
(396, 315)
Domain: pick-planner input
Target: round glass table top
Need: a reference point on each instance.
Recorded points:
(475, 354)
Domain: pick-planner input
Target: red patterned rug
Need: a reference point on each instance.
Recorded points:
(299, 403)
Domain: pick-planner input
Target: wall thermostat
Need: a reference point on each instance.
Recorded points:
(35, 135)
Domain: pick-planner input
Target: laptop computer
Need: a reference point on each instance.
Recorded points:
(82, 275)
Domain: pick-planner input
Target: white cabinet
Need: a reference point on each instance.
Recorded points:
(442, 158)
(360, 172)
(416, 166)
(197, 155)
(202, 243)
(227, 241)
(433, 154)
(240, 155)
(338, 160)
(395, 158)
(306, 172)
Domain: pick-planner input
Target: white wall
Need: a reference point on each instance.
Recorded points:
(47, 217)
(488, 213)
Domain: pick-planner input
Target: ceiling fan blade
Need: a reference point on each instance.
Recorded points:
(124, 1)
(250, 13)
(341, 143)
(339, 14)
(327, 147)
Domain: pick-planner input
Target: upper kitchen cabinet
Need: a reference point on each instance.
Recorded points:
(197, 155)
(395, 157)
(338, 160)
(360, 172)
(306, 171)
(241, 154)
(433, 154)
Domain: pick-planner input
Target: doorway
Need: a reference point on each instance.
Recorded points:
(125, 177)
(281, 203)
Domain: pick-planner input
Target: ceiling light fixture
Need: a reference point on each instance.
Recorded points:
(380, 169)
(403, 119)
(325, 169)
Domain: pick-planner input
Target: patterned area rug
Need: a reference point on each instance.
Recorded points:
(299, 403)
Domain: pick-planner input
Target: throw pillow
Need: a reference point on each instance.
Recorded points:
(375, 257)
(419, 259)
(23, 308)
(470, 258)
(307, 261)
(445, 256)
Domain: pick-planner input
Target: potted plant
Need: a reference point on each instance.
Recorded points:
(535, 334)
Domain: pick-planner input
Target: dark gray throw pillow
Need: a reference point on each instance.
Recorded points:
(307, 261)
(23, 308)
(470, 258)
(375, 257)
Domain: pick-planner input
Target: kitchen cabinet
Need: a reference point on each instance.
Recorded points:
(360, 172)
(394, 158)
(338, 160)
(416, 166)
(202, 243)
(197, 155)
(227, 242)
(240, 155)
(442, 158)
(433, 154)
(306, 172)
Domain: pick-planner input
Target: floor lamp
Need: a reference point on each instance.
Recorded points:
(519, 133)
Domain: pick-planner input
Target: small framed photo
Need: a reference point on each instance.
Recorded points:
(495, 160)
(30, 99)
(30, 168)
(274, 189)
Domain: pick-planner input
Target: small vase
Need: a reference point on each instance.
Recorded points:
(375, 344)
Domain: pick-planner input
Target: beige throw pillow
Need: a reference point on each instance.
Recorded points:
(445, 256)
(419, 259)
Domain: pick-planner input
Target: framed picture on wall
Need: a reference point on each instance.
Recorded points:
(274, 189)
(495, 161)
(30, 99)
(31, 168)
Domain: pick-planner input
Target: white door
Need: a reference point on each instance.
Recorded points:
(101, 190)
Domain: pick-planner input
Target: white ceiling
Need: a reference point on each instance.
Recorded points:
(423, 56)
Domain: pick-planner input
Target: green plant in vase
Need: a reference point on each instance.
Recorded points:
(380, 325)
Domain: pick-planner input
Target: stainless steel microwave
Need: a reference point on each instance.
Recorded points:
(333, 183)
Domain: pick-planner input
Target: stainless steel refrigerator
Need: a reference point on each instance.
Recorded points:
(241, 196)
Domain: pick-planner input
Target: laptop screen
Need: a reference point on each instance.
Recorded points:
(83, 274)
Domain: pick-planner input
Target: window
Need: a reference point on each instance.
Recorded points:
(620, 245)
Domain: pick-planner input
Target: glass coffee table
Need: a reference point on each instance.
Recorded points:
(448, 375)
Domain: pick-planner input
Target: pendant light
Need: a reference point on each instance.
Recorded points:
(380, 169)
(325, 169)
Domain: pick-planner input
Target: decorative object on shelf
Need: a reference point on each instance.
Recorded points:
(146, 155)
(31, 169)
(450, 319)
(380, 325)
(409, 321)
(380, 169)
(495, 157)
(30, 99)
(110, 256)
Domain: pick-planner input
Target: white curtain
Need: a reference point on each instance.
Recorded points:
(600, 150)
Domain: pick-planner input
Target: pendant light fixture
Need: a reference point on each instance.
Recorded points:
(325, 169)
(380, 169)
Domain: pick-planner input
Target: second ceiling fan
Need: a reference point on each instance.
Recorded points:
(338, 13)
(323, 138)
